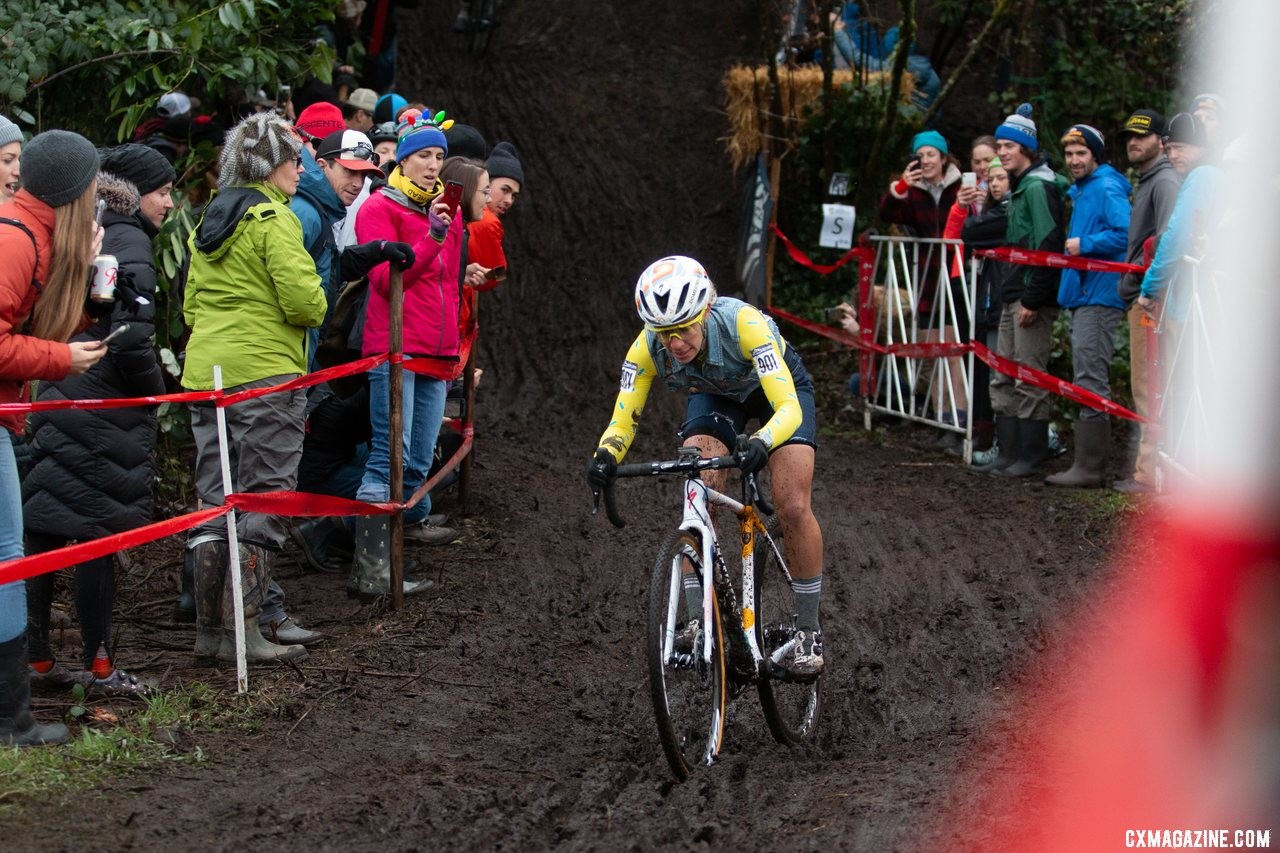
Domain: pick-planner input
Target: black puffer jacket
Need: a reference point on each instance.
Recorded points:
(986, 230)
(93, 470)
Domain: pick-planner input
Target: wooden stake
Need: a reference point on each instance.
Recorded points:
(395, 391)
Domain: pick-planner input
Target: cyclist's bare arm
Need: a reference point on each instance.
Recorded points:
(638, 371)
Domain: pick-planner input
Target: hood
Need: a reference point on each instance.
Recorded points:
(1160, 165)
(315, 188)
(1041, 171)
(1106, 174)
(950, 175)
(121, 196)
(222, 218)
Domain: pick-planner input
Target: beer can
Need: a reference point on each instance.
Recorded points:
(105, 268)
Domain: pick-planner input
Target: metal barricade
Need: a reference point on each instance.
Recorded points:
(930, 390)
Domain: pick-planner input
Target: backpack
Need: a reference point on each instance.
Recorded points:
(342, 338)
(35, 282)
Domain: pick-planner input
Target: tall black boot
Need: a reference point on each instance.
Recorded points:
(371, 569)
(1089, 465)
(1007, 435)
(184, 609)
(17, 726)
(1033, 449)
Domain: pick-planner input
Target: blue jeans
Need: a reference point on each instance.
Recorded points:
(423, 414)
(13, 596)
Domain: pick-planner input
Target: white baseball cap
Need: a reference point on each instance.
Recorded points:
(351, 148)
(173, 104)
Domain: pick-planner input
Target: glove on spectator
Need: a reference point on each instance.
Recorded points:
(600, 469)
(438, 227)
(358, 260)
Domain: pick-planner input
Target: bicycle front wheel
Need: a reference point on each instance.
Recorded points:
(688, 692)
(790, 707)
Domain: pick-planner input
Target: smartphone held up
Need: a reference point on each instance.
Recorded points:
(452, 196)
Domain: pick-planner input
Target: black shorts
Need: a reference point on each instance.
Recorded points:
(724, 418)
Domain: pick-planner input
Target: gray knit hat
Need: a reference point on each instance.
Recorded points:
(254, 149)
(9, 132)
(58, 166)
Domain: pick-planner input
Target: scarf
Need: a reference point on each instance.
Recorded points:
(415, 193)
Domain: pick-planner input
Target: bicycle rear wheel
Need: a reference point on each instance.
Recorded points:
(791, 708)
(688, 693)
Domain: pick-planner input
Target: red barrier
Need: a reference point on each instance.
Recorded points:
(805, 261)
(1009, 367)
(221, 398)
(1037, 258)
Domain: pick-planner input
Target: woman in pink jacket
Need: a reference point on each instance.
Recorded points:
(408, 210)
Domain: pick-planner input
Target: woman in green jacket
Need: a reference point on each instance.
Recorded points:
(252, 293)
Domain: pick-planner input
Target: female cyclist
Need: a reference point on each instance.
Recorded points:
(735, 366)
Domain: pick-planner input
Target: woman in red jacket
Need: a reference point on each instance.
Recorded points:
(47, 243)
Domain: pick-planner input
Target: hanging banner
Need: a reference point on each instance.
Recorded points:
(757, 208)
(837, 227)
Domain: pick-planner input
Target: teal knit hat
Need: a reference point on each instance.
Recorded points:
(931, 138)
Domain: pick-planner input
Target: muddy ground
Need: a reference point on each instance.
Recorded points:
(510, 709)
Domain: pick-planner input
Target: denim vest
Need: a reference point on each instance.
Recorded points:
(720, 368)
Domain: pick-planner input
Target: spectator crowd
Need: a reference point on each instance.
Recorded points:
(1158, 210)
(287, 270)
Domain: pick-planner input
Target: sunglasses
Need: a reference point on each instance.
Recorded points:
(359, 151)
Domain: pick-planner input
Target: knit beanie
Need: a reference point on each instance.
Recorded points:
(466, 141)
(1218, 104)
(504, 162)
(996, 166)
(1088, 136)
(1184, 128)
(386, 107)
(417, 131)
(928, 137)
(320, 119)
(9, 132)
(58, 166)
(1019, 128)
(255, 148)
(144, 167)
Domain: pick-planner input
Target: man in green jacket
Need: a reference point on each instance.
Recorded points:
(251, 295)
(1030, 299)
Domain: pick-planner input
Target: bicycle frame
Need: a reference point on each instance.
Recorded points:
(698, 497)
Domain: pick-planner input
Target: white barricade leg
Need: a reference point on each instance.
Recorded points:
(233, 543)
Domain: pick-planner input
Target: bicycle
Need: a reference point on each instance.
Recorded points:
(690, 689)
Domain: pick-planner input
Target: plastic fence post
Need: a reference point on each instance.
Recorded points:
(233, 540)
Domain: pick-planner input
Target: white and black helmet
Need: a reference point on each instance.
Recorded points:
(673, 291)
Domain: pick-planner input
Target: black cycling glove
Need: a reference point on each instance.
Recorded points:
(754, 453)
(600, 469)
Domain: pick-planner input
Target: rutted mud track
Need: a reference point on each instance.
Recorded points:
(511, 710)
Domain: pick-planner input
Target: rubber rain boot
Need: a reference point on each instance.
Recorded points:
(184, 609)
(255, 572)
(321, 542)
(1033, 449)
(1007, 435)
(17, 726)
(371, 570)
(208, 575)
(1089, 467)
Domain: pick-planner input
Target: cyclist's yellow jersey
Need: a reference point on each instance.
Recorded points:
(742, 350)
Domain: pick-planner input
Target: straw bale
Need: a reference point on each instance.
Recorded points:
(747, 101)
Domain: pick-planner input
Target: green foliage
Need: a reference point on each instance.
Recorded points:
(853, 121)
(1099, 74)
(98, 66)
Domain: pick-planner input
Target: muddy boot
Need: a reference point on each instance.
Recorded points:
(1089, 467)
(1033, 449)
(208, 572)
(255, 572)
(371, 569)
(17, 726)
(184, 609)
(1006, 443)
(323, 544)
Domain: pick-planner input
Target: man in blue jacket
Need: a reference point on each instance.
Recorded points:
(1099, 229)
